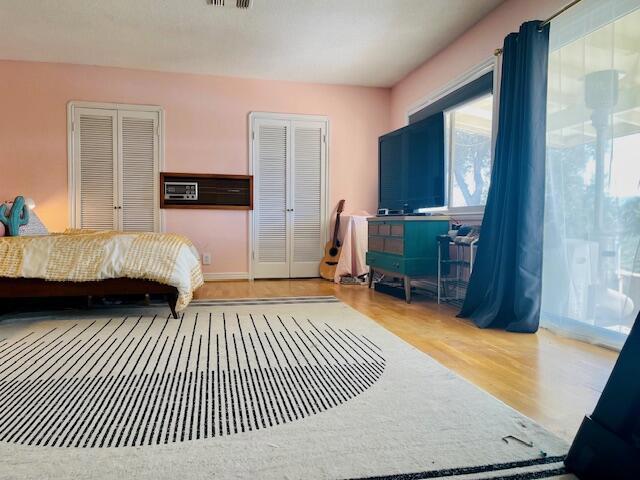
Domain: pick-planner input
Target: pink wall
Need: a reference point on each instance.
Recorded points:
(206, 131)
(206, 125)
(471, 49)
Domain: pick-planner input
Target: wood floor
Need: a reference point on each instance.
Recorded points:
(549, 378)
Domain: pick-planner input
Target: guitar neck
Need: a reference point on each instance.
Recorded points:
(337, 226)
(335, 231)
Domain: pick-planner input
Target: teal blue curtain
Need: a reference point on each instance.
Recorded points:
(505, 286)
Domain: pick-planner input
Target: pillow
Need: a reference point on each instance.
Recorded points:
(34, 227)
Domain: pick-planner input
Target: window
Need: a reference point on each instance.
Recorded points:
(591, 250)
(469, 154)
(468, 108)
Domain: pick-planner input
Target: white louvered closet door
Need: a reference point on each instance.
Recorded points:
(307, 197)
(138, 171)
(289, 161)
(271, 228)
(115, 169)
(95, 168)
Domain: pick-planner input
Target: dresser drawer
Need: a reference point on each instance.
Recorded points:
(373, 228)
(385, 262)
(376, 244)
(414, 267)
(397, 230)
(384, 229)
(394, 245)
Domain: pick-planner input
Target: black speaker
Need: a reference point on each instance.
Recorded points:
(607, 444)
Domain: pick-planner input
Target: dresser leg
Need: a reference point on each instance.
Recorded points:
(407, 289)
(370, 277)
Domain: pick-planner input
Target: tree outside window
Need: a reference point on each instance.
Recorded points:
(470, 152)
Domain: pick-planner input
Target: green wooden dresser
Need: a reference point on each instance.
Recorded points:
(405, 246)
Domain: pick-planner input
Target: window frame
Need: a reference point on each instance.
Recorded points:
(491, 64)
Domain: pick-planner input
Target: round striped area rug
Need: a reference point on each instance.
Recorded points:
(295, 388)
(135, 381)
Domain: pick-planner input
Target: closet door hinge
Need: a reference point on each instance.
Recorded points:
(253, 135)
(324, 138)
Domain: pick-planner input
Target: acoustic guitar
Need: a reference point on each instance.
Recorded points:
(332, 250)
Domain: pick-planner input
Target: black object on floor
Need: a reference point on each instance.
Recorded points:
(393, 289)
(607, 444)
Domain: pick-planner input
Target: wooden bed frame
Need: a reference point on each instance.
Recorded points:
(15, 288)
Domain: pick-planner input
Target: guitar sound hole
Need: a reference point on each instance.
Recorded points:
(333, 251)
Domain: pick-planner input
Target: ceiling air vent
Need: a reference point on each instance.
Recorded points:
(241, 4)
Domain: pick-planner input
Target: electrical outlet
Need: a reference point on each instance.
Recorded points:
(206, 259)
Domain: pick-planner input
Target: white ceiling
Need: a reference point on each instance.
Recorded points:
(357, 42)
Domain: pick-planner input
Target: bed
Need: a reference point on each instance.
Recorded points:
(92, 263)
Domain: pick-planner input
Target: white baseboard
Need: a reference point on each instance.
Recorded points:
(221, 276)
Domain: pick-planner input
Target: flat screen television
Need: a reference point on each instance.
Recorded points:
(412, 167)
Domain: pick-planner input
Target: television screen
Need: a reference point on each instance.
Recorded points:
(411, 166)
(391, 176)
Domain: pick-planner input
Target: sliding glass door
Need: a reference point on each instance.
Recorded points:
(591, 274)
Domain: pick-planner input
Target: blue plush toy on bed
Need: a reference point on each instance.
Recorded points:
(14, 216)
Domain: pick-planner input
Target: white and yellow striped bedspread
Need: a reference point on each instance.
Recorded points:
(85, 255)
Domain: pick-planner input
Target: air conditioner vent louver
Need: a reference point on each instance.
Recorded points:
(241, 4)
